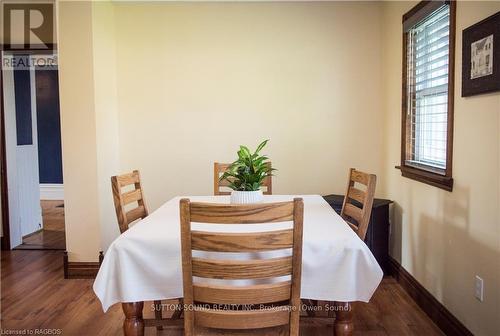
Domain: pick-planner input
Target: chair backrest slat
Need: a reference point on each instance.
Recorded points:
(128, 179)
(132, 196)
(135, 214)
(284, 293)
(353, 212)
(122, 199)
(360, 177)
(220, 168)
(242, 242)
(241, 214)
(242, 269)
(224, 183)
(244, 295)
(241, 319)
(357, 195)
(358, 203)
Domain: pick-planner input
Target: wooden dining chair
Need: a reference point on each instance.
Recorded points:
(356, 211)
(134, 196)
(220, 168)
(130, 206)
(357, 207)
(281, 299)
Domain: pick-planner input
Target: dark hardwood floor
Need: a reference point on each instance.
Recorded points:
(34, 295)
(52, 236)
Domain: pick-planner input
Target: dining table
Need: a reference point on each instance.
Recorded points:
(144, 263)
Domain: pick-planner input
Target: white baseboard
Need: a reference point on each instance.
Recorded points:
(49, 192)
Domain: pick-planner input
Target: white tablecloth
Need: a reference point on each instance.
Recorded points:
(144, 263)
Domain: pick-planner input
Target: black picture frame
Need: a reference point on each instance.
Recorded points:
(487, 78)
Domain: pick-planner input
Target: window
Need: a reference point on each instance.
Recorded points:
(427, 116)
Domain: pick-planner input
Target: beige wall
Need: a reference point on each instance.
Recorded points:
(197, 80)
(169, 88)
(444, 239)
(185, 84)
(106, 114)
(78, 130)
(89, 125)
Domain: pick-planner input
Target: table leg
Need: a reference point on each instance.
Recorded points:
(134, 323)
(343, 325)
(158, 312)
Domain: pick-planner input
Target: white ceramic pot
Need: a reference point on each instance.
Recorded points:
(246, 197)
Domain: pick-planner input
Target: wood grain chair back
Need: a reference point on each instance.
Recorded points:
(284, 294)
(220, 168)
(129, 205)
(358, 203)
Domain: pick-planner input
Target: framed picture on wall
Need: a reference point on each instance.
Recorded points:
(481, 57)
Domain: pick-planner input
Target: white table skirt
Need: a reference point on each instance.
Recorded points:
(144, 263)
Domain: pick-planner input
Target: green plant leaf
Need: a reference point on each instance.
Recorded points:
(245, 152)
(249, 170)
(262, 145)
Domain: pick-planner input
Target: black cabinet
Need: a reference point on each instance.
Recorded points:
(377, 235)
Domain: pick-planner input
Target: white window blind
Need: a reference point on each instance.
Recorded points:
(427, 91)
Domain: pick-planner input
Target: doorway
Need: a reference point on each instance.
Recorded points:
(33, 153)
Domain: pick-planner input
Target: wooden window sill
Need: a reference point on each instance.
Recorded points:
(436, 180)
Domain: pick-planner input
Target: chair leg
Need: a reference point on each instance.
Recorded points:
(310, 306)
(331, 311)
(158, 312)
(178, 312)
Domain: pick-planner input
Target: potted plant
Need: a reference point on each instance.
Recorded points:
(246, 174)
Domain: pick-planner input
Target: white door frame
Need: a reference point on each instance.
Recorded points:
(13, 154)
(10, 138)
